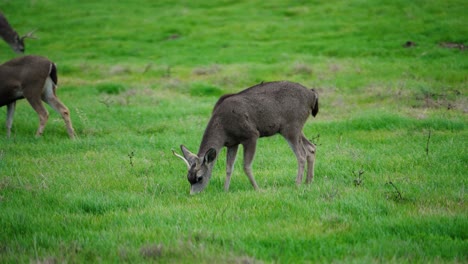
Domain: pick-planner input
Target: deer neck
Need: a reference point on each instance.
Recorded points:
(214, 137)
(9, 37)
(6, 31)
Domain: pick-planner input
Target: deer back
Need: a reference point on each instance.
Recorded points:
(265, 109)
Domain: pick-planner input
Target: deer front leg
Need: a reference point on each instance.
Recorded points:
(249, 153)
(230, 160)
(298, 149)
(10, 113)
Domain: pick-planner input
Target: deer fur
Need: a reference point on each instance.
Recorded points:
(259, 111)
(11, 36)
(33, 78)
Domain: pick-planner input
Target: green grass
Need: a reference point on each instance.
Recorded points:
(141, 77)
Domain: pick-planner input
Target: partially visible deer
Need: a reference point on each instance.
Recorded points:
(33, 78)
(259, 111)
(11, 37)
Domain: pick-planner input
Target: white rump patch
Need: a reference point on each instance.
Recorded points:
(49, 87)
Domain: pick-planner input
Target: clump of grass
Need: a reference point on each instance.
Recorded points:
(67, 69)
(201, 89)
(301, 69)
(207, 70)
(358, 180)
(110, 88)
(152, 251)
(395, 193)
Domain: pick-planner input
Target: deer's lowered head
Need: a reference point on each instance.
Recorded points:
(11, 36)
(199, 168)
(240, 119)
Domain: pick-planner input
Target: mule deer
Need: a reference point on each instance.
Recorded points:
(33, 78)
(259, 111)
(11, 37)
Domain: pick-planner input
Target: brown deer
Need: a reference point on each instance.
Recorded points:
(11, 37)
(33, 78)
(263, 110)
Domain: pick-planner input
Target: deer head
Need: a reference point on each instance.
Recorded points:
(199, 168)
(11, 36)
(17, 44)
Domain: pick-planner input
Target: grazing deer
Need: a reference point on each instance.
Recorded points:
(33, 78)
(11, 37)
(259, 111)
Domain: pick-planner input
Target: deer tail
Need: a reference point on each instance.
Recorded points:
(315, 105)
(53, 73)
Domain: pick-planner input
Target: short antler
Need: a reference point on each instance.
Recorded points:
(182, 158)
(30, 35)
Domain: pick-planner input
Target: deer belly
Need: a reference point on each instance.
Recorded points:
(269, 130)
(9, 96)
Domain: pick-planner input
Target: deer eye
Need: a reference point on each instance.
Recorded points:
(200, 173)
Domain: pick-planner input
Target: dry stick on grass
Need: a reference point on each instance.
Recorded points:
(399, 196)
(358, 179)
(427, 143)
(131, 155)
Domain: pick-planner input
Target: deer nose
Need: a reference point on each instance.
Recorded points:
(196, 188)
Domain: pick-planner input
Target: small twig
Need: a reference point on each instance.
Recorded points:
(399, 196)
(358, 180)
(131, 155)
(106, 102)
(315, 140)
(147, 68)
(167, 74)
(427, 143)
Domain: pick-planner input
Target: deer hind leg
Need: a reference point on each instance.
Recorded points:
(310, 149)
(10, 113)
(50, 98)
(230, 160)
(249, 153)
(295, 142)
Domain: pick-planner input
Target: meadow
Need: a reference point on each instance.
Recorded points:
(141, 77)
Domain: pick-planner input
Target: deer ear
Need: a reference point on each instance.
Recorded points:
(210, 155)
(189, 156)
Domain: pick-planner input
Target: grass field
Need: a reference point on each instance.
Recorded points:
(141, 77)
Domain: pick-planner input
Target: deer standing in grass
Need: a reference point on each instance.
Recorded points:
(11, 37)
(33, 78)
(263, 110)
